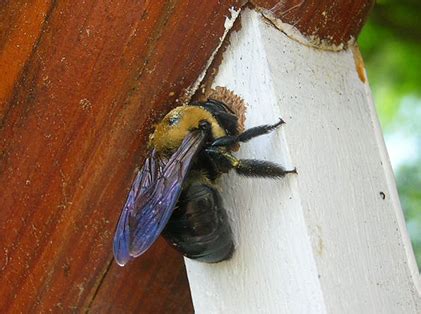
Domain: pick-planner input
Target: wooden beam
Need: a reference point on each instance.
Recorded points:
(84, 83)
(155, 283)
(331, 239)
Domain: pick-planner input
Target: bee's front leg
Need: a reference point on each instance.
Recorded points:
(224, 161)
(247, 135)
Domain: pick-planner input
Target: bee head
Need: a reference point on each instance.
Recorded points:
(170, 132)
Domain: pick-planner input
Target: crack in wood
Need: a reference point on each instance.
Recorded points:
(98, 286)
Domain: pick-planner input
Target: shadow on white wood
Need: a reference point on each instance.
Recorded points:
(331, 239)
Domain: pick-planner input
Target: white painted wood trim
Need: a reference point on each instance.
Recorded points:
(324, 241)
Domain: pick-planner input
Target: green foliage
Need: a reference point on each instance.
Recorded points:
(391, 46)
(409, 186)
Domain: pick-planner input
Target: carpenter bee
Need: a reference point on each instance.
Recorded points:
(174, 194)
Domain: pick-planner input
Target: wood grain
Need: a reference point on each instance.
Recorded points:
(128, 289)
(77, 106)
(20, 28)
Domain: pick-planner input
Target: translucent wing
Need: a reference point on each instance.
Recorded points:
(149, 173)
(152, 199)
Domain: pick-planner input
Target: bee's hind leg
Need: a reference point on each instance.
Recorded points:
(261, 168)
(225, 161)
(247, 134)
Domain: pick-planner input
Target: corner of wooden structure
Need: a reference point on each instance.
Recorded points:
(324, 240)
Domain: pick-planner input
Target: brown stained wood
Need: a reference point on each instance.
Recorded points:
(162, 291)
(20, 27)
(332, 21)
(77, 109)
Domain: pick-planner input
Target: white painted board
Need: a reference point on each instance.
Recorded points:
(325, 240)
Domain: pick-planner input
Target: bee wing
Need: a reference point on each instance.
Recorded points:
(152, 199)
(144, 178)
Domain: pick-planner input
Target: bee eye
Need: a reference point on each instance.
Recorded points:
(173, 120)
(204, 125)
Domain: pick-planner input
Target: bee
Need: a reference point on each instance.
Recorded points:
(174, 194)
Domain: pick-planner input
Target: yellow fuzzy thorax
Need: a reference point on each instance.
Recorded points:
(170, 132)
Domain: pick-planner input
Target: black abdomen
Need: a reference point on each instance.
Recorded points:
(199, 226)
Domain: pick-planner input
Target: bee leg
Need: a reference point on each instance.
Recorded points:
(247, 134)
(224, 161)
(221, 160)
(258, 130)
(261, 168)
